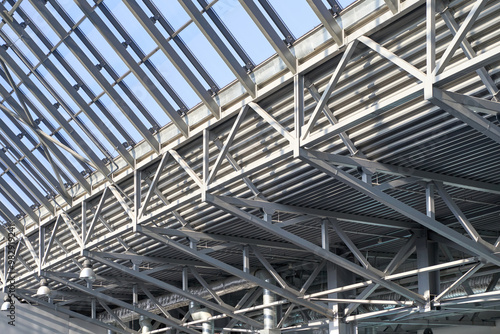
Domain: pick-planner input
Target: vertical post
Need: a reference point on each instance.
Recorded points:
(336, 277)
(137, 195)
(246, 259)
(93, 306)
(84, 223)
(135, 288)
(429, 200)
(41, 247)
(5, 267)
(427, 255)
(366, 177)
(430, 46)
(298, 94)
(185, 285)
(206, 158)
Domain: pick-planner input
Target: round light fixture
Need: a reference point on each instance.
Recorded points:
(44, 289)
(6, 303)
(87, 272)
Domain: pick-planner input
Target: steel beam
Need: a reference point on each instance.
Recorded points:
(469, 52)
(391, 202)
(15, 197)
(26, 182)
(158, 16)
(33, 160)
(312, 213)
(195, 235)
(73, 314)
(272, 121)
(69, 89)
(172, 55)
(466, 115)
(332, 83)
(459, 215)
(229, 140)
(271, 35)
(207, 7)
(152, 185)
(100, 79)
(459, 281)
(333, 120)
(396, 60)
(219, 46)
(467, 67)
(232, 270)
(192, 174)
(134, 67)
(47, 141)
(117, 302)
(355, 162)
(365, 114)
(300, 242)
(171, 288)
(53, 112)
(474, 103)
(460, 35)
(329, 22)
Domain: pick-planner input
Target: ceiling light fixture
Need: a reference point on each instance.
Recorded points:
(87, 272)
(44, 289)
(6, 303)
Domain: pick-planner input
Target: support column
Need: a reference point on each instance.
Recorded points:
(336, 277)
(427, 255)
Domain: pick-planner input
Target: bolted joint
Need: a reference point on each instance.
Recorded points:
(429, 90)
(249, 68)
(155, 18)
(126, 43)
(182, 111)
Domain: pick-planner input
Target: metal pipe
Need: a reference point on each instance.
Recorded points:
(366, 301)
(199, 313)
(146, 326)
(397, 276)
(268, 298)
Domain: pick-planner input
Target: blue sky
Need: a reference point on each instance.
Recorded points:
(296, 14)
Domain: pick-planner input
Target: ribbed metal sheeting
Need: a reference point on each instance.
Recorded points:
(414, 134)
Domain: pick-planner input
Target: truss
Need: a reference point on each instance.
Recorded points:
(360, 176)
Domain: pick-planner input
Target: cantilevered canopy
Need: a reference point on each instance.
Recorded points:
(343, 160)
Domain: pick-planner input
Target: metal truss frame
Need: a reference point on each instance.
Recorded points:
(208, 177)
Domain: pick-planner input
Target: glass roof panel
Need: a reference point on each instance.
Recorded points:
(59, 84)
(70, 7)
(18, 190)
(297, 15)
(175, 79)
(345, 3)
(58, 17)
(77, 66)
(244, 30)
(173, 12)
(30, 13)
(132, 26)
(104, 48)
(207, 55)
(95, 132)
(120, 117)
(7, 201)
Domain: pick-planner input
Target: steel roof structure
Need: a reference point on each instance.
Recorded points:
(352, 177)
